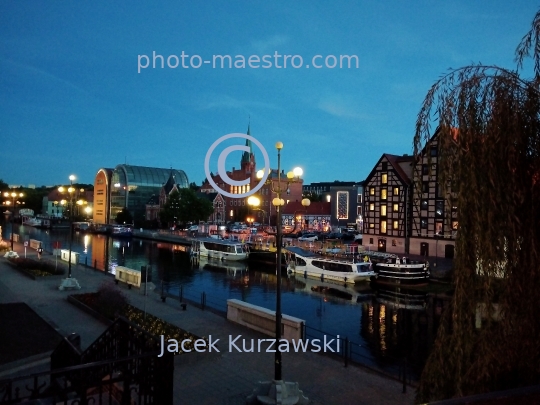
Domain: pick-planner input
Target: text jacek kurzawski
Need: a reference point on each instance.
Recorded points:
(237, 344)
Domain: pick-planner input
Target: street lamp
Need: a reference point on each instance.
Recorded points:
(69, 282)
(13, 195)
(279, 388)
(254, 203)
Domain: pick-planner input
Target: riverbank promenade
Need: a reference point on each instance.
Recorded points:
(199, 378)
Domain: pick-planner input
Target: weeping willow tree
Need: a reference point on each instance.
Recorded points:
(489, 162)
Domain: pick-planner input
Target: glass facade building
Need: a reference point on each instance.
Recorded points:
(132, 187)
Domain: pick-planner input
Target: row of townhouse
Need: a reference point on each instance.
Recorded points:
(405, 208)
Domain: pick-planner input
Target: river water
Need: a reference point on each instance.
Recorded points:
(383, 325)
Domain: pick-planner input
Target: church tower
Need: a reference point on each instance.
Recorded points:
(247, 163)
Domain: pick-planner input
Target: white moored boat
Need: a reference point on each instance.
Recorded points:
(35, 222)
(312, 265)
(220, 249)
(394, 270)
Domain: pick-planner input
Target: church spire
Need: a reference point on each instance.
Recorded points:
(246, 156)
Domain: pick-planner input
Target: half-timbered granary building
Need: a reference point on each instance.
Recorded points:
(387, 210)
(434, 214)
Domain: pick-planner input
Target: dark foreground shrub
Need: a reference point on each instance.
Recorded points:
(40, 266)
(110, 300)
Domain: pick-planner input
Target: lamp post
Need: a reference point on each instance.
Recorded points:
(69, 282)
(254, 203)
(13, 195)
(277, 390)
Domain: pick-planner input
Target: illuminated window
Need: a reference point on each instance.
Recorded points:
(395, 225)
(396, 190)
(383, 226)
(372, 191)
(454, 225)
(396, 208)
(384, 178)
(383, 210)
(342, 205)
(439, 209)
(383, 194)
(371, 225)
(372, 207)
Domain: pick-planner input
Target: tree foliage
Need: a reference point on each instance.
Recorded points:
(185, 206)
(489, 155)
(124, 217)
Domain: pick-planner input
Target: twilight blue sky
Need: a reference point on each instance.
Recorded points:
(72, 100)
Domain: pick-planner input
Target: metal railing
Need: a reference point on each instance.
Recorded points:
(401, 369)
(350, 352)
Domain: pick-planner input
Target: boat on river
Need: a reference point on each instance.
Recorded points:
(121, 232)
(395, 270)
(220, 249)
(32, 221)
(301, 261)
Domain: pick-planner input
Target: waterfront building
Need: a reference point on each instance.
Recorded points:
(52, 204)
(346, 205)
(131, 187)
(406, 209)
(237, 209)
(323, 188)
(102, 201)
(314, 217)
(387, 204)
(218, 216)
(152, 209)
(434, 213)
(345, 198)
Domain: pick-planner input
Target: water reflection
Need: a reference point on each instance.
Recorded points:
(385, 323)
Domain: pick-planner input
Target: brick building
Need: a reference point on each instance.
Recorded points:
(237, 209)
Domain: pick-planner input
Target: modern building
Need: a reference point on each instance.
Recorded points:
(102, 201)
(346, 205)
(387, 204)
(345, 198)
(130, 187)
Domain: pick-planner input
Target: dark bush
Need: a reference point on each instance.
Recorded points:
(39, 265)
(110, 301)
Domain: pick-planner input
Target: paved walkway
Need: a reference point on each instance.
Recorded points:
(223, 378)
